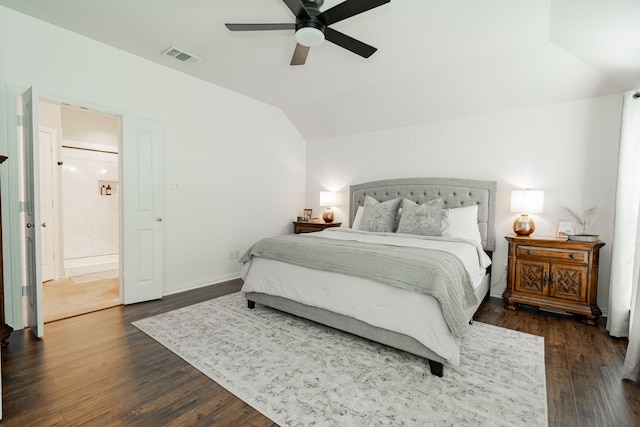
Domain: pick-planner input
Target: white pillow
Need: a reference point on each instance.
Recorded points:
(358, 218)
(461, 223)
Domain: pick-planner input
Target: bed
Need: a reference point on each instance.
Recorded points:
(387, 309)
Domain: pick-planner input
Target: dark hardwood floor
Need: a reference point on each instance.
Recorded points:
(583, 367)
(98, 369)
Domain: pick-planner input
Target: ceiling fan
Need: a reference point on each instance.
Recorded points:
(312, 26)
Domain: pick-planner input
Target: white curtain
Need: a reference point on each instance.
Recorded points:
(631, 369)
(624, 304)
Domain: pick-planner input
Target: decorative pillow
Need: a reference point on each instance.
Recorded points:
(378, 216)
(358, 219)
(424, 219)
(461, 223)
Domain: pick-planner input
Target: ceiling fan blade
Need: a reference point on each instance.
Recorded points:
(347, 9)
(300, 55)
(297, 8)
(349, 43)
(260, 27)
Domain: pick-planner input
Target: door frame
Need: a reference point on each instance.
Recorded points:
(14, 287)
(30, 228)
(58, 264)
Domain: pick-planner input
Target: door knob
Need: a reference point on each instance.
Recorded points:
(159, 219)
(44, 224)
(29, 225)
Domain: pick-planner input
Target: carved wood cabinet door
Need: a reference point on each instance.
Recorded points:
(532, 277)
(550, 279)
(568, 282)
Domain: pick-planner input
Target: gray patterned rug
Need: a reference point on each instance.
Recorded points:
(300, 373)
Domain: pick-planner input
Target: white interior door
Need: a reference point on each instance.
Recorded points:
(32, 211)
(142, 207)
(47, 141)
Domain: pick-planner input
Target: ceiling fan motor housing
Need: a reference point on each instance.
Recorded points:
(313, 9)
(312, 22)
(313, 4)
(310, 30)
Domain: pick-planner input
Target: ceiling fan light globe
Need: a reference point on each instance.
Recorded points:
(309, 36)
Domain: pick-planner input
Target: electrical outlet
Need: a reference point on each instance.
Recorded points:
(234, 254)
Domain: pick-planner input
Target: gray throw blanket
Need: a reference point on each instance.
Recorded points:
(430, 271)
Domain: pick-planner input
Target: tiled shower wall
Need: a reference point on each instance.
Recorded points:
(90, 220)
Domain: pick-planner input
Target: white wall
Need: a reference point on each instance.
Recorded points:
(239, 163)
(569, 150)
(91, 127)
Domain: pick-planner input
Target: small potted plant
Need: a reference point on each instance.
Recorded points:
(584, 222)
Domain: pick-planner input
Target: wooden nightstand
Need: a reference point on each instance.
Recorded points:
(310, 226)
(553, 273)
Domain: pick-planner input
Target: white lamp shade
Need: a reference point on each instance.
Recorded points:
(527, 201)
(328, 198)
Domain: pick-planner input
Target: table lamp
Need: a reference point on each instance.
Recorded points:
(526, 202)
(328, 199)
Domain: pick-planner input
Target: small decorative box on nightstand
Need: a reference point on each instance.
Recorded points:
(311, 226)
(553, 273)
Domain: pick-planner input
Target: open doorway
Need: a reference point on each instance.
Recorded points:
(140, 217)
(80, 212)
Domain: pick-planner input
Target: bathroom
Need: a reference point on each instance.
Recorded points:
(79, 178)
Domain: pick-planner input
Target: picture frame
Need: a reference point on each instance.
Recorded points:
(564, 228)
(307, 215)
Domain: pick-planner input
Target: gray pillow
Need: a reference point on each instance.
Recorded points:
(424, 219)
(378, 216)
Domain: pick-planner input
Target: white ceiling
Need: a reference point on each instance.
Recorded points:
(436, 60)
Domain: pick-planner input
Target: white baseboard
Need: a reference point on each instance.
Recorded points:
(496, 293)
(183, 287)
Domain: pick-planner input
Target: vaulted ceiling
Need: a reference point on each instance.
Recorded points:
(436, 60)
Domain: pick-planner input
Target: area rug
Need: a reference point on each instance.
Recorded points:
(297, 372)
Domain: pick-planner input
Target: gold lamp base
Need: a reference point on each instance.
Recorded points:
(327, 215)
(523, 225)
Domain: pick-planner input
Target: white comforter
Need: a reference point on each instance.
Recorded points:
(416, 315)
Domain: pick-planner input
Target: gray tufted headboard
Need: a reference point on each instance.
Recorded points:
(454, 192)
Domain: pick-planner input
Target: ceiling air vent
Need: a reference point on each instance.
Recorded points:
(181, 55)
